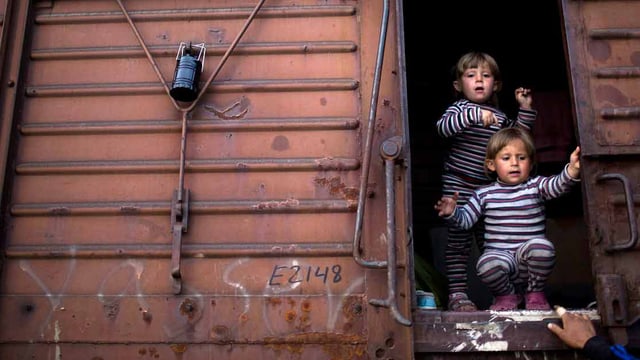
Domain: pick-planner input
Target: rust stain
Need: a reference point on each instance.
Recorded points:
(334, 184)
(329, 163)
(290, 315)
(221, 334)
(244, 317)
(317, 338)
(153, 352)
(188, 307)
(350, 193)
(292, 348)
(274, 301)
(352, 308)
(287, 204)
(336, 345)
(305, 323)
(306, 306)
(178, 348)
(340, 351)
(337, 188)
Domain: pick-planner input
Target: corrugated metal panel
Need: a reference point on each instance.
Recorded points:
(603, 38)
(272, 164)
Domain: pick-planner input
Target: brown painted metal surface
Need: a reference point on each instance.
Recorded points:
(271, 165)
(95, 154)
(602, 48)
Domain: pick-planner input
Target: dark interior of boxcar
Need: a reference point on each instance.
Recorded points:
(526, 40)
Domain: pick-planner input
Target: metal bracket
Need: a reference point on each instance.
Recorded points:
(390, 150)
(631, 215)
(612, 295)
(179, 222)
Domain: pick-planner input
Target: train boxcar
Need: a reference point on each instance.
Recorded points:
(235, 179)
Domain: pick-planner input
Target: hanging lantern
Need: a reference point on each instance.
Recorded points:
(189, 65)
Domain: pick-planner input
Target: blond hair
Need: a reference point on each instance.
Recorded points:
(505, 136)
(475, 59)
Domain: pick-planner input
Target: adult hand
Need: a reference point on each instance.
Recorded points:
(576, 328)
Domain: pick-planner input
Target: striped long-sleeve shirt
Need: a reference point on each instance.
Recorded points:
(512, 214)
(462, 125)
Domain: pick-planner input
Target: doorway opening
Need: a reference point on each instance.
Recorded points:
(530, 53)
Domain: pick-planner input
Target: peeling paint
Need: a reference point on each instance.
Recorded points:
(459, 347)
(494, 346)
(289, 203)
(536, 315)
(57, 331)
(56, 337)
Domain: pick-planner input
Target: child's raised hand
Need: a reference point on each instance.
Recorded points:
(574, 163)
(523, 97)
(488, 118)
(446, 205)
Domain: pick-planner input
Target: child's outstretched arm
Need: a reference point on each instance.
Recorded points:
(446, 205)
(574, 163)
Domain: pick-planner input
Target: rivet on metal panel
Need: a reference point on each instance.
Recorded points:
(189, 308)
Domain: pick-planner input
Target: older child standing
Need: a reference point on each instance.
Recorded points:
(517, 257)
(467, 125)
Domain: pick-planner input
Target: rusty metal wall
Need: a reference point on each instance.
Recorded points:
(272, 164)
(602, 48)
